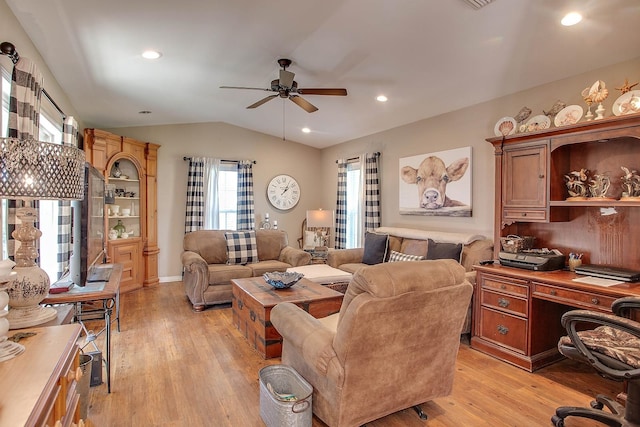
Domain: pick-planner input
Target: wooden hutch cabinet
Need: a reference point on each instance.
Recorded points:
(517, 311)
(129, 167)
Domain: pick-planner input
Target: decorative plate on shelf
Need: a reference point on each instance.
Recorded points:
(538, 122)
(569, 115)
(623, 106)
(505, 126)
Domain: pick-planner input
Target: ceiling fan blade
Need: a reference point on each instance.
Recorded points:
(242, 87)
(323, 91)
(262, 101)
(303, 103)
(286, 78)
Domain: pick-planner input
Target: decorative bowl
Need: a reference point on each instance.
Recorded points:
(282, 280)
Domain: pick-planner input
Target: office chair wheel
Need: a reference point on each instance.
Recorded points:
(557, 421)
(596, 405)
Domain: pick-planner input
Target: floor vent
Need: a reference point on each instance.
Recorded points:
(477, 4)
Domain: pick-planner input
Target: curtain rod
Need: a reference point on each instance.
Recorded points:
(353, 159)
(222, 160)
(9, 49)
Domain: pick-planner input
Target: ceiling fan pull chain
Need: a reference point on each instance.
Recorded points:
(283, 121)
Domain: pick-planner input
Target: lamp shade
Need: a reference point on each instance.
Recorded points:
(319, 218)
(40, 170)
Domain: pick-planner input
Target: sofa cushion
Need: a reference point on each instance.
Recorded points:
(399, 256)
(267, 266)
(221, 274)
(414, 247)
(375, 248)
(438, 250)
(241, 247)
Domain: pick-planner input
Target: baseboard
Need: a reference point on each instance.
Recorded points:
(170, 279)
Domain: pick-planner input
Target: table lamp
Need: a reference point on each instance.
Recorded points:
(34, 170)
(322, 221)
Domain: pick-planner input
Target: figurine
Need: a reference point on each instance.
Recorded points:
(626, 87)
(555, 109)
(599, 185)
(577, 184)
(630, 184)
(522, 115)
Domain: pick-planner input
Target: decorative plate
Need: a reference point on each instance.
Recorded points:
(569, 115)
(505, 126)
(538, 122)
(622, 106)
(282, 279)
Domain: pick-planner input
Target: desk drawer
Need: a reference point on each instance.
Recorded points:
(504, 302)
(505, 284)
(573, 297)
(525, 214)
(504, 329)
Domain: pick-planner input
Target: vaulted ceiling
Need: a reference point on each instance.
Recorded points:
(427, 56)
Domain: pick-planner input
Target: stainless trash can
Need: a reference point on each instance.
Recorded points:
(278, 383)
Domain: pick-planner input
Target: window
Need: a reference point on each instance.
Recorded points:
(227, 196)
(354, 214)
(50, 131)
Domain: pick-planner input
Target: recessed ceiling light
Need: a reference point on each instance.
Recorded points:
(571, 18)
(381, 98)
(306, 130)
(144, 112)
(151, 54)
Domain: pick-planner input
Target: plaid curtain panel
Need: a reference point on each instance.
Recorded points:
(24, 109)
(69, 137)
(245, 210)
(194, 213)
(371, 192)
(341, 206)
(241, 247)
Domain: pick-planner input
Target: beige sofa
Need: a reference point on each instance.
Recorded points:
(207, 275)
(394, 344)
(475, 248)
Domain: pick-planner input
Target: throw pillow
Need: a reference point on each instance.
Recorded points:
(438, 250)
(399, 256)
(375, 248)
(241, 247)
(309, 240)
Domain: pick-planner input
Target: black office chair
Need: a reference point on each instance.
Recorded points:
(613, 349)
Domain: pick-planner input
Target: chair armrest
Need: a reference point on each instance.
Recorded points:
(344, 256)
(191, 260)
(577, 318)
(304, 332)
(294, 257)
(624, 306)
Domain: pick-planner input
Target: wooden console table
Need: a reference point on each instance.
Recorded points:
(516, 312)
(253, 299)
(106, 293)
(39, 387)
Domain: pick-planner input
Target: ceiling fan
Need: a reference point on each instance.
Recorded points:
(286, 87)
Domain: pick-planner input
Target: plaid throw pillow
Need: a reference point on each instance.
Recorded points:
(241, 247)
(399, 256)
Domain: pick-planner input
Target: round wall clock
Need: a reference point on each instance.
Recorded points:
(283, 192)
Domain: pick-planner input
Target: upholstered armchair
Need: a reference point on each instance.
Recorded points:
(613, 349)
(393, 345)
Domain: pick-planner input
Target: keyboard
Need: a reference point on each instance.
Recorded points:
(99, 274)
(624, 274)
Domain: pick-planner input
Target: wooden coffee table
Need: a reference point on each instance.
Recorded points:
(253, 299)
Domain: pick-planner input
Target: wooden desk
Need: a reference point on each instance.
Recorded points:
(38, 387)
(516, 312)
(253, 299)
(106, 293)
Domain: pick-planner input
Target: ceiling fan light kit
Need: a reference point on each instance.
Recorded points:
(286, 87)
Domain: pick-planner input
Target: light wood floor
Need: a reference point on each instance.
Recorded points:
(174, 367)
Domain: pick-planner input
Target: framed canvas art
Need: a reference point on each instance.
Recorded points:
(436, 184)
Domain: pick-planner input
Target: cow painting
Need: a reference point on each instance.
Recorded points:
(431, 178)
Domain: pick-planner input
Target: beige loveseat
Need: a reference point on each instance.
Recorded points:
(393, 345)
(207, 274)
(475, 248)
